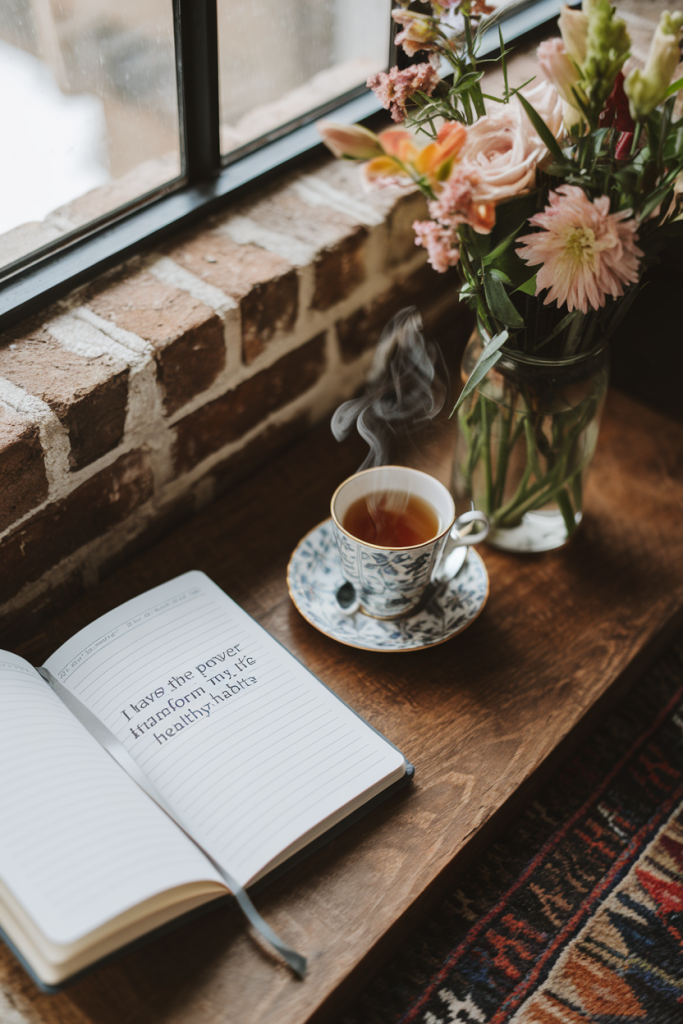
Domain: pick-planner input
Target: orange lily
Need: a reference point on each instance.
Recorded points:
(434, 161)
(399, 143)
(400, 151)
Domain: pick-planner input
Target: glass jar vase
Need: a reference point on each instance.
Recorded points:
(526, 436)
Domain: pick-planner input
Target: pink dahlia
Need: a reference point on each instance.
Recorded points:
(585, 252)
(394, 88)
(440, 242)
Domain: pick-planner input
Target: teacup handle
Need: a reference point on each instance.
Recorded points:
(468, 519)
(450, 564)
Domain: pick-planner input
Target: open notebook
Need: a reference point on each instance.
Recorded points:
(255, 756)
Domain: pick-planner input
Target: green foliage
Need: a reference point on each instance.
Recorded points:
(674, 87)
(499, 303)
(528, 286)
(488, 358)
(562, 326)
(541, 127)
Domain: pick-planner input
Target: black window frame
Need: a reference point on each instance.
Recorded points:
(207, 179)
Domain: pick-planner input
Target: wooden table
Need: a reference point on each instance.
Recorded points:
(483, 717)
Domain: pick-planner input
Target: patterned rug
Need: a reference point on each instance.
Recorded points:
(576, 914)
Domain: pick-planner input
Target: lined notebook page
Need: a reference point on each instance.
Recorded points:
(250, 750)
(80, 843)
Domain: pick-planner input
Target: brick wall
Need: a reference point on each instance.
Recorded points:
(129, 405)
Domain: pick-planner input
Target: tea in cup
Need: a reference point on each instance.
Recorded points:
(393, 526)
(392, 519)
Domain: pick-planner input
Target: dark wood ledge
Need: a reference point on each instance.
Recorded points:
(483, 717)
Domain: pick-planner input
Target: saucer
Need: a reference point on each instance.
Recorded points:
(314, 575)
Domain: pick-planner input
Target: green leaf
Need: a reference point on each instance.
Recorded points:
(598, 139)
(542, 129)
(479, 245)
(674, 87)
(493, 19)
(673, 146)
(488, 358)
(500, 249)
(627, 177)
(564, 322)
(654, 122)
(653, 201)
(503, 63)
(499, 302)
(580, 104)
(556, 170)
(529, 286)
(501, 275)
(514, 267)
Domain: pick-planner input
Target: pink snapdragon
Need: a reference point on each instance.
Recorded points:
(441, 243)
(394, 89)
(459, 203)
(584, 251)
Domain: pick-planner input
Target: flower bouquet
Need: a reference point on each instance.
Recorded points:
(552, 199)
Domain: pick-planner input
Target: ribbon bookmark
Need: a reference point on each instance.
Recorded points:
(116, 749)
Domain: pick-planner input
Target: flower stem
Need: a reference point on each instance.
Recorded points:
(486, 432)
(507, 444)
(566, 509)
(576, 484)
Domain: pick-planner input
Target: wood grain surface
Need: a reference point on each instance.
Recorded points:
(482, 717)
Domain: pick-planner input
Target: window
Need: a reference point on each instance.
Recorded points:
(122, 120)
(279, 61)
(88, 116)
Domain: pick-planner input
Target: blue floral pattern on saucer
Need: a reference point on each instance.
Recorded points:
(315, 574)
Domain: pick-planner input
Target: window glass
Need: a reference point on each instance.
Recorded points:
(279, 59)
(88, 114)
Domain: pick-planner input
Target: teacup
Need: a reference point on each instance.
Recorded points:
(390, 580)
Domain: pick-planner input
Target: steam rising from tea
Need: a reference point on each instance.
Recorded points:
(406, 390)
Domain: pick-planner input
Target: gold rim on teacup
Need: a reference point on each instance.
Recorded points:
(389, 547)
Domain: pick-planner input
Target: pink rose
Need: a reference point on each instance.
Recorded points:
(504, 153)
